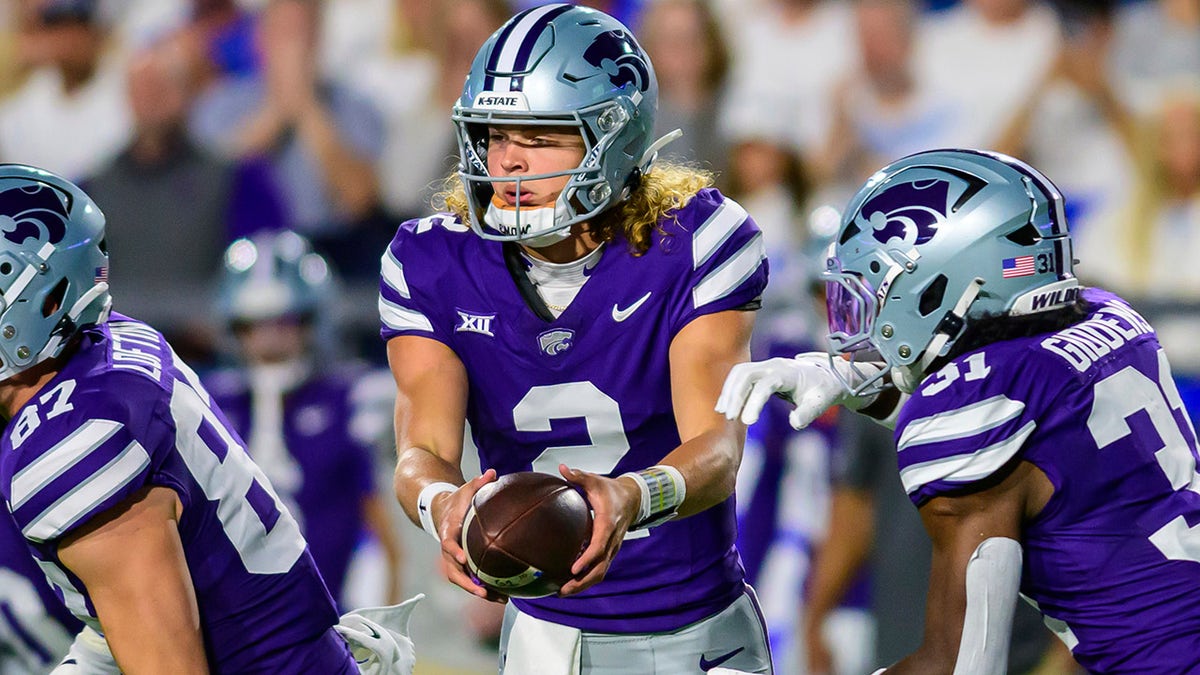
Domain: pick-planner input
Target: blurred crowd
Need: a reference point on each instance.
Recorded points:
(195, 122)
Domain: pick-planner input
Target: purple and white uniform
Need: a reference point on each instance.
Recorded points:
(319, 420)
(1114, 557)
(124, 414)
(35, 628)
(590, 389)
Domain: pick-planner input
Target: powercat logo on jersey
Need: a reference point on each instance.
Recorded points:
(557, 341)
(514, 100)
(470, 322)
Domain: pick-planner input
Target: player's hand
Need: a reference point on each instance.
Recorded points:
(808, 380)
(614, 507)
(449, 510)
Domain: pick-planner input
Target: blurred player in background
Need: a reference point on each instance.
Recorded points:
(311, 425)
(580, 306)
(35, 628)
(1026, 409)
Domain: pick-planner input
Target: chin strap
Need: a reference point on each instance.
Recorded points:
(908, 377)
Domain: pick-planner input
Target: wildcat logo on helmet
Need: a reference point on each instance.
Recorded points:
(513, 100)
(910, 212)
(619, 56)
(39, 212)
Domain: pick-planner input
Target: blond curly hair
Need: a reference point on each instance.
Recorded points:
(662, 191)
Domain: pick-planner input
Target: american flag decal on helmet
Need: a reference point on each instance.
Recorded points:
(102, 274)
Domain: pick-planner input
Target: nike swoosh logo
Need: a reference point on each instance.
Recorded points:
(707, 665)
(620, 315)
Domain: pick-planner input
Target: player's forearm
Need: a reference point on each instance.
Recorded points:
(709, 464)
(842, 554)
(417, 468)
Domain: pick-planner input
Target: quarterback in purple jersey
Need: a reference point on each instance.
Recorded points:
(580, 305)
(1026, 409)
(309, 423)
(131, 490)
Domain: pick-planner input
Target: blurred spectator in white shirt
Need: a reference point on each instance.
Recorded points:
(987, 56)
(1157, 42)
(786, 60)
(884, 109)
(71, 115)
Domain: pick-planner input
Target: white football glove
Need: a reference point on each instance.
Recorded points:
(808, 380)
(378, 638)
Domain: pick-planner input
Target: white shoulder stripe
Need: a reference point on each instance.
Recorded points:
(725, 279)
(719, 227)
(961, 423)
(393, 274)
(55, 461)
(966, 468)
(401, 318)
(78, 503)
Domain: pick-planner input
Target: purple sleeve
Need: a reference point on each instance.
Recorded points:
(728, 263)
(407, 298)
(75, 466)
(970, 419)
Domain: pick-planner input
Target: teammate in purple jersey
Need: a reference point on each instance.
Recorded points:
(134, 495)
(35, 628)
(1026, 409)
(584, 329)
(310, 422)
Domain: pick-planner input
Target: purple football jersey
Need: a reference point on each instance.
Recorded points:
(590, 389)
(35, 627)
(335, 463)
(1112, 558)
(124, 413)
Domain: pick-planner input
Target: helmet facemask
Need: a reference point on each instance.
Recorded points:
(588, 192)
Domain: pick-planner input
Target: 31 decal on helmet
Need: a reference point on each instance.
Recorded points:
(558, 65)
(936, 240)
(53, 266)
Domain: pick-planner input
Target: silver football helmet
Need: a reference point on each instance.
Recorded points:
(273, 275)
(558, 65)
(53, 266)
(936, 240)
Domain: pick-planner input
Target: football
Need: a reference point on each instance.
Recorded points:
(523, 532)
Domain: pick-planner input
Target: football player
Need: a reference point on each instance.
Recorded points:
(580, 305)
(131, 490)
(310, 423)
(1026, 409)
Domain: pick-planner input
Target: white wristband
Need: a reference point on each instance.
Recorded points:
(424, 506)
(663, 490)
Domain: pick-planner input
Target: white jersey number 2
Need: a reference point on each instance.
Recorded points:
(600, 413)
